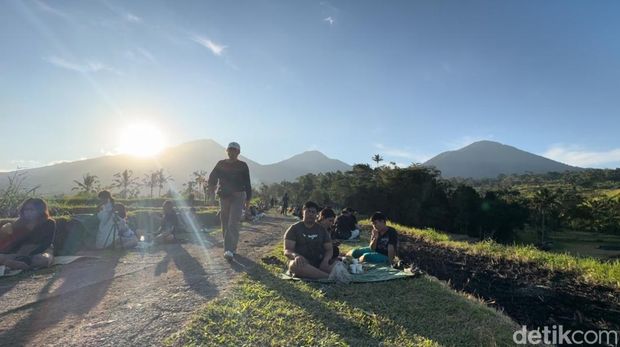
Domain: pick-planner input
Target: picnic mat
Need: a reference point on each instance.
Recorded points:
(60, 260)
(374, 273)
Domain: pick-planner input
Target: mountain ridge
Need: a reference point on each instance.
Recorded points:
(488, 159)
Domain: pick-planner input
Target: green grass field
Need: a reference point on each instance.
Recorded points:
(265, 310)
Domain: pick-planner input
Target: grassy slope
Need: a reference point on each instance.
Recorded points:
(265, 310)
(591, 270)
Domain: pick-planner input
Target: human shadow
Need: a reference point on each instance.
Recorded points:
(193, 271)
(287, 290)
(74, 290)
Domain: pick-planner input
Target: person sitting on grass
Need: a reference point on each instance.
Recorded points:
(28, 243)
(383, 242)
(108, 221)
(169, 224)
(308, 246)
(126, 237)
(345, 227)
(326, 220)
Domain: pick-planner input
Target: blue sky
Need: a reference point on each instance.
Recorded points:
(407, 79)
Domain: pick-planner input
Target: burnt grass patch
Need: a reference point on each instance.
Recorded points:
(529, 293)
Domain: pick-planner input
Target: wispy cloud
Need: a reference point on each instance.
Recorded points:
(130, 17)
(578, 156)
(215, 48)
(140, 54)
(330, 20)
(89, 66)
(403, 153)
(43, 6)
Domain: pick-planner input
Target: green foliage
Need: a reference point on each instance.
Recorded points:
(15, 192)
(413, 196)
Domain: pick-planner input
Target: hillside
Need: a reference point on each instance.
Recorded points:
(179, 161)
(488, 159)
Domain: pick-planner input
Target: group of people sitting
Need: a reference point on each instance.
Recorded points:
(309, 244)
(28, 242)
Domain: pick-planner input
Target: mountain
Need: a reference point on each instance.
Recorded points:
(178, 161)
(488, 159)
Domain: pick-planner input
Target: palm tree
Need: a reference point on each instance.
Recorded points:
(150, 180)
(189, 187)
(162, 179)
(87, 185)
(377, 159)
(544, 200)
(125, 181)
(200, 177)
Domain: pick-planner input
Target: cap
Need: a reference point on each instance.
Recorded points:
(234, 145)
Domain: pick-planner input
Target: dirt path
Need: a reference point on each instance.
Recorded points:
(136, 298)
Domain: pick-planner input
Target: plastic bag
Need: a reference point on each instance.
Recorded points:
(340, 274)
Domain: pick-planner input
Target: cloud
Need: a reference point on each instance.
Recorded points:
(215, 48)
(401, 153)
(330, 20)
(25, 164)
(89, 66)
(140, 55)
(578, 156)
(49, 9)
(130, 17)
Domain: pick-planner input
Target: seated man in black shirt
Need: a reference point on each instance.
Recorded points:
(345, 227)
(308, 246)
(383, 242)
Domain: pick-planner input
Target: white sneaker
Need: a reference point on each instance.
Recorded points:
(229, 255)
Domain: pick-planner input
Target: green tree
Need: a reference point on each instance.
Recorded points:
(88, 185)
(125, 181)
(544, 201)
(377, 158)
(162, 178)
(150, 180)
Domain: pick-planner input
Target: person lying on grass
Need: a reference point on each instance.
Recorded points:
(28, 243)
(308, 246)
(383, 242)
(169, 227)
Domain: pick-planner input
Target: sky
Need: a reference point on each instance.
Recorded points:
(404, 79)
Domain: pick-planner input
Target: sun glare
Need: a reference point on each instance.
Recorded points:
(142, 140)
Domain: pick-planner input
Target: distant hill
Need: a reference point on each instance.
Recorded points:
(179, 161)
(488, 159)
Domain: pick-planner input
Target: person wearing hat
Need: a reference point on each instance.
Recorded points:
(232, 177)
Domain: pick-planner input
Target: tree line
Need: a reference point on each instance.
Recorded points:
(417, 196)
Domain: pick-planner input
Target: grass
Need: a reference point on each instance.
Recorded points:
(589, 269)
(265, 310)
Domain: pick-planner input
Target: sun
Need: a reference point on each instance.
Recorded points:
(142, 140)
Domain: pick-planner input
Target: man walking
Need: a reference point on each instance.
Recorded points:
(232, 177)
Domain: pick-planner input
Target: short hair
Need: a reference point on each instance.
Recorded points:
(311, 204)
(378, 216)
(348, 210)
(104, 194)
(326, 213)
(39, 205)
(168, 203)
(121, 210)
